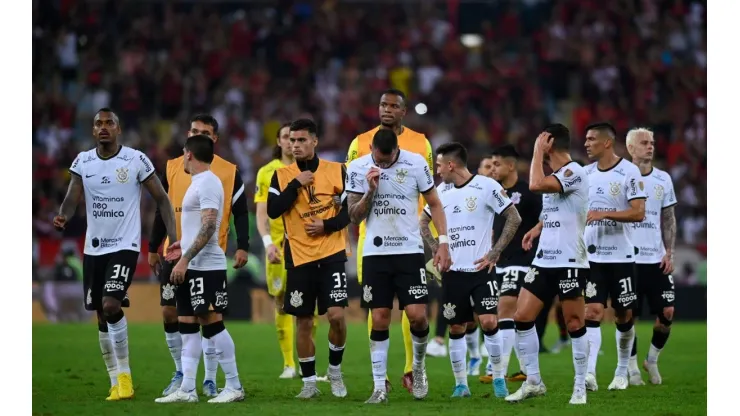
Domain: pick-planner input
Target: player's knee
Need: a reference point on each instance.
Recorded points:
(213, 329)
(665, 319)
(169, 314)
(335, 317)
(623, 316)
(101, 320)
(522, 315)
(488, 322)
(594, 312)
(470, 327)
(507, 307)
(304, 324)
(111, 306)
(456, 330)
(417, 316)
(574, 323)
(381, 318)
(668, 315)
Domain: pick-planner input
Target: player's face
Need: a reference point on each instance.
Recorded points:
(199, 127)
(642, 148)
(302, 144)
(485, 167)
(284, 141)
(595, 144)
(444, 169)
(383, 161)
(105, 128)
(501, 168)
(392, 109)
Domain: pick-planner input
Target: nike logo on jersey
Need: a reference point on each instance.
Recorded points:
(418, 296)
(89, 176)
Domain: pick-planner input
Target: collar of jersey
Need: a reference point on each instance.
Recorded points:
(398, 156)
(466, 182)
(111, 156)
(612, 167)
(311, 164)
(649, 173)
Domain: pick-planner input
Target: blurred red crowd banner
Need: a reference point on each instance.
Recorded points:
(50, 248)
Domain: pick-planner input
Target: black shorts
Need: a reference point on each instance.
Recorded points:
(656, 287)
(166, 289)
(400, 275)
(465, 293)
(315, 286)
(612, 280)
(510, 279)
(107, 275)
(202, 291)
(565, 282)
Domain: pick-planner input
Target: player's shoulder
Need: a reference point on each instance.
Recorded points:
(444, 188)
(484, 183)
(413, 158)
(211, 180)
(361, 163)
(573, 168)
(660, 175)
(270, 167)
(221, 163)
(590, 168)
(415, 134)
(628, 167)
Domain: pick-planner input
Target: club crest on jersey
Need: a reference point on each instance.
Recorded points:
(401, 175)
(367, 293)
(168, 291)
(590, 289)
(470, 203)
(516, 197)
(568, 173)
(122, 175)
(88, 300)
(659, 192)
(296, 298)
(641, 185)
(614, 188)
(531, 273)
(449, 311)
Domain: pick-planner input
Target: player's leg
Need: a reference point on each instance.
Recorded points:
(570, 292)
(596, 294)
(485, 296)
(509, 284)
(624, 298)
(662, 298)
(563, 340)
(643, 270)
(332, 299)
(377, 296)
(413, 297)
(472, 335)
(436, 347)
(457, 312)
(118, 275)
(283, 322)
(168, 302)
(540, 323)
(535, 288)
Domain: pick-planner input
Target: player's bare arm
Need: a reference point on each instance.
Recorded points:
(359, 206)
(635, 213)
(668, 229)
(154, 186)
(208, 226)
(511, 225)
(69, 205)
(426, 232)
(538, 181)
(530, 236)
(442, 259)
(263, 227)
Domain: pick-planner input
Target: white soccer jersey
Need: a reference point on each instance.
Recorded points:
(393, 221)
(205, 191)
(112, 198)
(563, 221)
(469, 210)
(609, 241)
(647, 235)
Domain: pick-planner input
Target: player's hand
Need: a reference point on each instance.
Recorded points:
(315, 228)
(174, 252)
(155, 263)
(305, 177)
(594, 216)
(666, 263)
(442, 260)
(373, 178)
(488, 261)
(240, 259)
(178, 272)
(273, 254)
(60, 221)
(543, 144)
(528, 239)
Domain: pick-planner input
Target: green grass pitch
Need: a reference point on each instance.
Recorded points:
(69, 377)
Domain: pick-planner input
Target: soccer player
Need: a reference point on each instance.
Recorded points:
(485, 167)
(176, 182)
(303, 193)
(200, 275)
(616, 196)
(272, 232)
(514, 262)
(655, 239)
(392, 110)
(470, 205)
(384, 189)
(112, 176)
(560, 266)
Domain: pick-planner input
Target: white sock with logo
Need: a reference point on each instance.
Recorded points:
(457, 348)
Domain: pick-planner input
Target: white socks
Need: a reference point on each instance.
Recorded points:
(494, 345)
(579, 345)
(223, 343)
(109, 357)
(420, 348)
(458, 352)
(594, 345)
(118, 334)
(174, 343)
(508, 337)
(624, 347)
(191, 351)
(210, 358)
(529, 348)
(379, 358)
(471, 340)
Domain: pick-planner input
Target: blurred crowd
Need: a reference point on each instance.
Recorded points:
(256, 64)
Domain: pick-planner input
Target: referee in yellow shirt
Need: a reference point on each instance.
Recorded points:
(392, 109)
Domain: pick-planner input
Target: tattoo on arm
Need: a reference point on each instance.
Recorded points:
(513, 220)
(359, 206)
(208, 219)
(156, 190)
(668, 228)
(426, 233)
(74, 191)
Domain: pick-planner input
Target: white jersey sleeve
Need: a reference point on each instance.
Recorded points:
(355, 182)
(497, 199)
(144, 166)
(634, 187)
(423, 176)
(76, 167)
(669, 194)
(571, 179)
(648, 235)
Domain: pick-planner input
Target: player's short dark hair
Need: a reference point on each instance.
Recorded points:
(506, 150)
(277, 151)
(396, 92)
(108, 110)
(560, 135)
(385, 141)
(206, 119)
(305, 124)
(201, 146)
(455, 151)
(603, 128)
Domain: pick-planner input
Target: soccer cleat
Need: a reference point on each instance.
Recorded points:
(619, 383)
(338, 389)
(653, 373)
(175, 384)
(518, 376)
(591, 384)
(288, 372)
(562, 343)
(474, 366)
(388, 386)
(636, 378)
(578, 397)
(420, 384)
(179, 396)
(488, 377)
(113, 394)
(309, 391)
(499, 388)
(229, 395)
(322, 379)
(436, 349)
(378, 397)
(125, 386)
(461, 390)
(209, 388)
(526, 391)
(407, 381)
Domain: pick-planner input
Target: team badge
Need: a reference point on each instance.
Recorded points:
(641, 185)
(614, 188)
(449, 311)
(659, 192)
(590, 289)
(470, 203)
(168, 291)
(516, 197)
(296, 299)
(568, 173)
(122, 175)
(367, 293)
(401, 175)
(531, 273)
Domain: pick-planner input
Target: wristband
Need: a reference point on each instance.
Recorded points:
(443, 239)
(266, 240)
